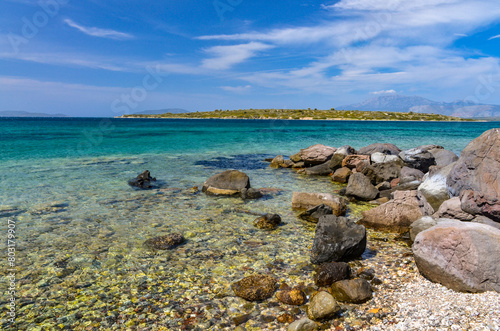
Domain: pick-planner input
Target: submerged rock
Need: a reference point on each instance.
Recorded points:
(352, 290)
(313, 214)
(229, 182)
(322, 306)
(304, 324)
(331, 272)
(143, 181)
(292, 296)
(302, 200)
(255, 287)
(337, 239)
(268, 222)
(165, 242)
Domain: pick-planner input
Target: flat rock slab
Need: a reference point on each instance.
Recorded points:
(229, 182)
(462, 256)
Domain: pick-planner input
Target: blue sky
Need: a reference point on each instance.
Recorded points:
(105, 58)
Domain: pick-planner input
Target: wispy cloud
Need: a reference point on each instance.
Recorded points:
(224, 57)
(383, 92)
(237, 89)
(97, 32)
(494, 37)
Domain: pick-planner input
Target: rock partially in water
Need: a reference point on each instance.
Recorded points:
(322, 305)
(251, 193)
(304, 324)
(143, 181)
(313, 214)
(331, 272)
(165, 242)
(353, 161)
(353, 290)
(268, 222)
(316, 154)
(255, 287)
(318, 170)
(337, 239)
(229, 182)
(291, 296)
(277, 162)
(360, 187)
(302, 200)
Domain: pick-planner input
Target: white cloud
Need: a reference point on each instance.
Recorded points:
(494, 37)
(237, 89)
(97, 32)
(224, 57)
(383, 92)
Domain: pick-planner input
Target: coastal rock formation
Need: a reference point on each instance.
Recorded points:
(477, 203)
(268, 222)
(382, 172)
(384, 158)
(165, 242)
(352, 290)
(302, 200)
(478, 167)
(360, 187)
(398, 214)
(331, 272)
(418, 158)
(462, 256)
(487, 221)
(434, 187)
(314, 155)
(277, 162)
(443, 157)
(314, 214)
(291, 296)
(388, 149)
(336, 161)
(255, 287)
(408, 175)
(322, 306)
(318, 170)
(143, 181)
(337, 239)
(452, 209)
(230, 182)
(345, 150)
(422, 224)
(352, 161)
(342, 175)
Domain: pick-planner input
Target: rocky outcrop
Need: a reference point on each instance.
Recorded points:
(143, 181)
(398, 214)
(302, 200)
(342, 175)
(408, 175)
(314, 214)
(462, 256)
(452, 209)
(477, 203)
(434, 187)
(337, 239)
(388, 149)
(314, 155)
(345, 150)
(478, 168)
(352, 161)
(268, 222)
(443, 157)
(318, 170)
(331, 272)
(352, 290)
(165, 242)
(336, 161)
(277, 162)
(418, 158)
(384, 158)
(360, 187)
(382, 172)
(322, 306)
(229, 182)
(255, 287)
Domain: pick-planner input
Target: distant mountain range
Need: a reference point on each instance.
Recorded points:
(162, 111)
(402, 103)
(15, 113)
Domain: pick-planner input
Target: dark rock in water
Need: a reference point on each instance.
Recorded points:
(336, 161)
(477, 203)
(165, 242)
(360, 187)
(462, 256)
(322, 306)
(255, 287)
(229, 182)
(337, 239)
(352, 291)
(292, 296)
(388, 149)
(331, 272)
(313, 214)
(342, 175)
(318, 170)
(251, 193)
(366, 273)
(418, 159)
(268, 222)
(242, 162)
(143, 181)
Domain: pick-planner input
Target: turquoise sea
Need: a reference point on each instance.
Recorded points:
(80, 227)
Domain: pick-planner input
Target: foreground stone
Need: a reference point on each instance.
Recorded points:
(461, 256)
(268, 222)
(302, 200)
(143, 181)
(331, 272)
(291, 296)
(352, 290)
(229, 182)
(398, 214)
(478, 167)
(337, 239)
(304, 324)
(165, 242)
(477, 203)
(314, 214)
(360, 187)
(322, 306)
(255, 287)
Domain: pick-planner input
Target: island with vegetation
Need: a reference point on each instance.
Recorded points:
(305, 114)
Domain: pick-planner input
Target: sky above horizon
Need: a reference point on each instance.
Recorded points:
(107, 58)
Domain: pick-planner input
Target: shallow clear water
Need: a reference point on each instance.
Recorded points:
(64, 182)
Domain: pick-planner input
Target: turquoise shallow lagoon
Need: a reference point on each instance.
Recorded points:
(80, 227)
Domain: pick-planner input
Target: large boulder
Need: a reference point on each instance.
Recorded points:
(388, 149)
(255, 287)
(418, 158)
(398, 214)
(229, 182)
(337, 239)
(434, 186)
(382, 172)
(315, 154)
(443, 157)
(452, 208)
(478, 167)
(477, 203)
(303, 200)
(462, 256)
(360, 187)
